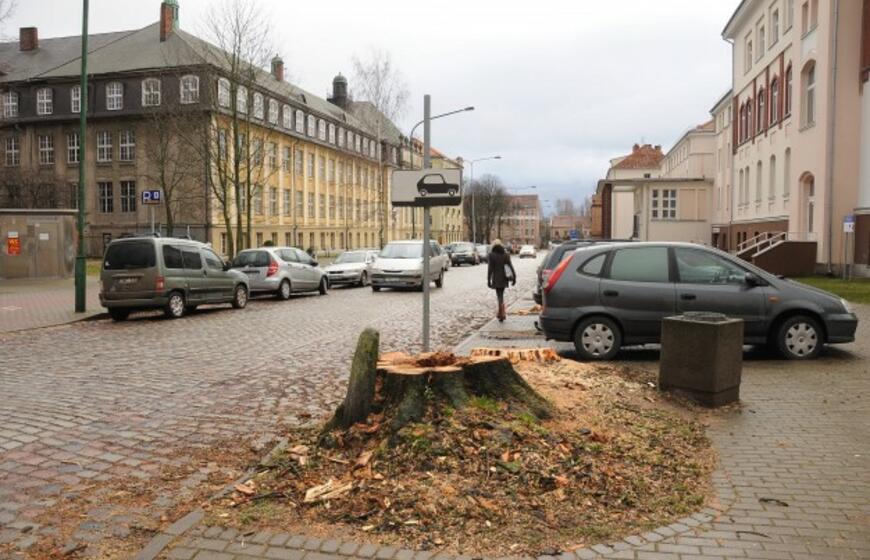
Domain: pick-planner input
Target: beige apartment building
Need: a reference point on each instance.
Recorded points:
(521, 225)
(723, 156)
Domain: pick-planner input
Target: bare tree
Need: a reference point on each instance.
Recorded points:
(380, 83)
(7, 9)
(491, 201)
(34, 188)
(566, 207)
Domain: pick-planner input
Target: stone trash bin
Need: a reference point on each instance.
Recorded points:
(702, 356)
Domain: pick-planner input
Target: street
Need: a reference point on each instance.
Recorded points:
(93, 402)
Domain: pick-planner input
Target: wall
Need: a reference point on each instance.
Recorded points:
(623, 212)
(47, 243)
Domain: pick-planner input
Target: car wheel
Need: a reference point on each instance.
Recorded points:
(439, 282)
(119, 314)
(284, 290)
(175, 306)
(240, 297)
(376, 288)
(324, 287)
(597, 338)
(799, 338)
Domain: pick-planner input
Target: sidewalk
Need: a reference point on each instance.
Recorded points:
(31, 304)
(793, 480)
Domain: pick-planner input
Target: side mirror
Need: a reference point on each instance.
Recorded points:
(315, 263)
(752, 280)
(227, 265)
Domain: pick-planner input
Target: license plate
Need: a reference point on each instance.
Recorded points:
(127, 281)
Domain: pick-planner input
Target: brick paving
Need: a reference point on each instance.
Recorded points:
(793, 481)
(31, 304)
(93, 402)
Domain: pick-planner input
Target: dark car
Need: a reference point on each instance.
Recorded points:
(556, 255)
(463, 253)
(610, 295)
(435, 183)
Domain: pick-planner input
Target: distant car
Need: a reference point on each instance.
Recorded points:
(528, 251)
(400, 265)
(167, 273)
(352, 268)
(606, 296)
(483, 252)
(464, 253)
(435, 183)
(281, 270)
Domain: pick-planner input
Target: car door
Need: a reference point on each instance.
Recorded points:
(193, 270)
(220, 282)
(309, 274)
(711, 282)
(638, 289)
(297, 275)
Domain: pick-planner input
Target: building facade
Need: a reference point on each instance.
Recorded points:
(521, 225)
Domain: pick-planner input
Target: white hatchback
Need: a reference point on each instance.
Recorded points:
(528, 251)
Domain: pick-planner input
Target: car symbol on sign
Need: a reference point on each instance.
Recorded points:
(436, 184)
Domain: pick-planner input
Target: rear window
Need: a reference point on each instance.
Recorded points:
(593, 266)
(251, 258)
(129, 254)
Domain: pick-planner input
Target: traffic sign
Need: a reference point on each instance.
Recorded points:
(427, 187)
(152, 196)
(574, 234)
(849, 224)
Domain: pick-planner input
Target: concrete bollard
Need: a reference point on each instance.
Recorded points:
(702, 356)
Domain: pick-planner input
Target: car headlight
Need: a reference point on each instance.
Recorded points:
(847, 306)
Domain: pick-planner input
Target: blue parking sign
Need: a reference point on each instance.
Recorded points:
(152, 197)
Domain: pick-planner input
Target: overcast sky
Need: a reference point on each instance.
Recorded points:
(559, 86)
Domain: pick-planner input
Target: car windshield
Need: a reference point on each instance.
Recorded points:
(402, 251)
(251, 258)
(351, 257)
(527, 248)
(482, 248)
(463, 247)
(130, 254)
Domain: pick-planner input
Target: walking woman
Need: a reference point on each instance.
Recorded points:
(499, 274)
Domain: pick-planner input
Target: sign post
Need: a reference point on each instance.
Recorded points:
(151, 199)
(848, 235)
(427, 163)
(81, 262)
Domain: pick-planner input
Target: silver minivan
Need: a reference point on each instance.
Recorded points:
(175, 275)
(281, 270)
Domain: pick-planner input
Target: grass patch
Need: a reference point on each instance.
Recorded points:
(93, 267)
(856, 290)
(485, 404)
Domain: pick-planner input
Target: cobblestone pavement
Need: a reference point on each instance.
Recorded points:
(31, 304)
(91, 402)
(793, 481)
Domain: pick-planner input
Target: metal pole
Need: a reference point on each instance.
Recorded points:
(80, 277)
(473, 219)
(426, 165)
(151, 213)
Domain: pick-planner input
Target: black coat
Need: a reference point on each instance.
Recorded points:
(495, 274)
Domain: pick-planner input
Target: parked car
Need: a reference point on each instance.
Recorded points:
(557, 254)
(464, 253)
(352, 268)
(528, 251)
(282, 271)
(167, 273)
(609, 295)
(483, 252)
(400, 265)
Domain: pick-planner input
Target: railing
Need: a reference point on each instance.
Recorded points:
(768, 239)
(760, 239)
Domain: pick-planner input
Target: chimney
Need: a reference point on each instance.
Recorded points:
(168, 18)
(278, 68)
(339, 91)
(635, 148)
(28, 39)
(658, 147)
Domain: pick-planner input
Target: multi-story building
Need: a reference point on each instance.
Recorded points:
(317, 173)
(521, 225)
(565, 227)
(795, 124)
(722, 191)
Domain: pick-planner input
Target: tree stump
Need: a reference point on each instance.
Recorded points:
(403, 386)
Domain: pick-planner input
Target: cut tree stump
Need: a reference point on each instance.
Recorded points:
(403, 386)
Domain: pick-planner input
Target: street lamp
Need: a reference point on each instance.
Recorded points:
(473, 221)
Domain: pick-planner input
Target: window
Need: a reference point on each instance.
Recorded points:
(774, 27)
(106, 197)
(750, 131)
(810, 94)
(13, 151)
(331, 133)
(593, 266)
(644, 264)
(224, 92)
(287, 117)
(242, 99)
(127, 145)
(762, 98)
(332, 171)
(46, 149)
(223, 150)
(258, 105)
(190, 89)
(75, 99)
(771, 185)
(321, 168)
(10, 104)
(748, 59)
(273, 111)
(104, 146)
(341, 137)
(788, 91)
(273, 155)
(212, 261)
(273, 201)
(114, 96)
(44, 101)
(311, 166)
(286, 159)
(701, 267)
(331, 207)
(774, 101)
(128, 196)
(312, 126)
(191, 258)
(259, 239)
(664, 204)
(257, 157)
(300, 122)
(349, 140)
(310, 205)
(257, 200)
(758, 180)
(287, 202)
(321, 211)
(789, 14)
(73, 148)
(321, 129)
(740, 188)
(151, 92)
(299, 202)
(786, 173)
(762, 42)
(298, 163)
(357, 143)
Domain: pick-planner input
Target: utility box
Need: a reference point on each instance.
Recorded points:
(702, 356)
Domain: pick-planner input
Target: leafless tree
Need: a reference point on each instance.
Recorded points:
(566, 207)
(34, 188)
(379, 82)
(490, 199)
(7, 9)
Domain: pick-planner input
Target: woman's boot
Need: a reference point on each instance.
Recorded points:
(501, 312)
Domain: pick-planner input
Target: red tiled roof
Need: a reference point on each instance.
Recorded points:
(642, 157)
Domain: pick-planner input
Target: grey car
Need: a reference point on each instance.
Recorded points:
(282, 271)
(400, 265)
(175, 275)
(608, 296)
(353, 268)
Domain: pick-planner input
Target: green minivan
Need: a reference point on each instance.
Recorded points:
(172, 274)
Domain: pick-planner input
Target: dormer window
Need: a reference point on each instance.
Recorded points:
(288, 117)
(75, 99)
(312, 126)
(44, 101)
(224, 92)
(242, 99)
(321, 130)
(189, 89)
(10, 104)
(300, 122)
(273, 111)
(258, 105)
(115, 96)
(341, 137)
(151, 92)
(331, 133)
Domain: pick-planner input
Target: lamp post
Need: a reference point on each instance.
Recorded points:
(426, 155)
(473, 220)
(80, 268)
